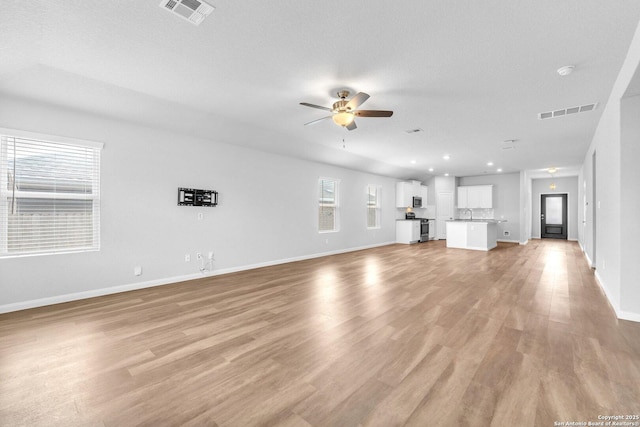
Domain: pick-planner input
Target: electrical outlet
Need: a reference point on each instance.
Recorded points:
(137, 270)
(200, 216)
(211, 255)
(198, 256)
(187, 258)
(507, 233)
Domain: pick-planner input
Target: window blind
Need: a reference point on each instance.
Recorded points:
(328, 205)
(49, 196)
(373, 206)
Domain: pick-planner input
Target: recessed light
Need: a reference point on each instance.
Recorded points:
(446, 174)
(499, 169)
(490, 164)
(446, 157)
(413, 162)
(566, 70)
(430, 169)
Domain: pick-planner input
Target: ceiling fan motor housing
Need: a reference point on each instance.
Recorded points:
(340, 105)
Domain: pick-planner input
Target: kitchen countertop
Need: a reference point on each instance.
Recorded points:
(496, 221)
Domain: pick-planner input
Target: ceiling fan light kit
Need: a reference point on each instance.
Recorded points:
(344, 111)
(343, 118)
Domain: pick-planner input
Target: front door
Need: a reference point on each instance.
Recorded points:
(553, 216)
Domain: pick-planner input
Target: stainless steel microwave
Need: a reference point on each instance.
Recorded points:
(417, 202)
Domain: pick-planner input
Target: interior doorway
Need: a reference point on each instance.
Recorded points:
(553, 216)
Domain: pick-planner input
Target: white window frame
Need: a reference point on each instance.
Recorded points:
(6, 194)
(335, 205)
(375, 206)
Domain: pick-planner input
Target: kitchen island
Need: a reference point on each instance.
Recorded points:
(479, 235)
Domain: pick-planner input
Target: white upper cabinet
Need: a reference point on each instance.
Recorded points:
(406, 191)
(486, 196)
(462, 197)
(475, 197)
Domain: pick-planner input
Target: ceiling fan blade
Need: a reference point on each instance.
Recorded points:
(313, 122)
(352, 125)
(373, 113)
(356, 101)
(306, 104)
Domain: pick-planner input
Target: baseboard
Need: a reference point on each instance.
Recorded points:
(524, 243)
(42, 302)
(507, 241)
(627, 315)
(586, 255)
(620, 314)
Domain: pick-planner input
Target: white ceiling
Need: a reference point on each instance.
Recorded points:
(471, 74)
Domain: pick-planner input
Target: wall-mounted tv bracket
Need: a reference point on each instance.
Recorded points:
(196, 197)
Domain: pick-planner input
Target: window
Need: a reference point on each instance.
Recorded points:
(49, 194)
(373, 206)
(328, 218)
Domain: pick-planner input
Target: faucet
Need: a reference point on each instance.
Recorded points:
(470, 213)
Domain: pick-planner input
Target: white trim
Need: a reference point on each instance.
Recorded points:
(627, 315)
(586, 255)
(623, 315)
(51, 138)
(524, 243)
(41, 302)
(507, 241)
(479, 248)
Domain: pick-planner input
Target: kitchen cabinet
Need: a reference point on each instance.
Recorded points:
(407, 231)
(485, 193)
(475, 235)
(475, 197)
(463, 197)
(405, 192)
(424, 192)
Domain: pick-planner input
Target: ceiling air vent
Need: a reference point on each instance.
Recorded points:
(567, 111)
(193, 11)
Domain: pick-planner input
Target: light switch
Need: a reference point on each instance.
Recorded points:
(137, 270)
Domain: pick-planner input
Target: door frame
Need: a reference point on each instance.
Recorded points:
(567, 213)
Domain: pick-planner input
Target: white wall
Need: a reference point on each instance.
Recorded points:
(564, 185)
(630, 204)
(614, 256)
(525, 207)
(506, 201)
(267, 211)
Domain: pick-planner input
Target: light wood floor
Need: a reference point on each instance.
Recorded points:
(415, 335)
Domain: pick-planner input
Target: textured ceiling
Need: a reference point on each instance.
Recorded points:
(469, 74)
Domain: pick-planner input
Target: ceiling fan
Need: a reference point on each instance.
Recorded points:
(345, 111)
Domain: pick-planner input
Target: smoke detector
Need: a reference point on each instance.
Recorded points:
(193, 11)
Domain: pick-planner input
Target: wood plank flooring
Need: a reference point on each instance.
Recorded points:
(400, 335)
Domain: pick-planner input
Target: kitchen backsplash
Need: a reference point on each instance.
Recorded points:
(428, 212)
(477, 213)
